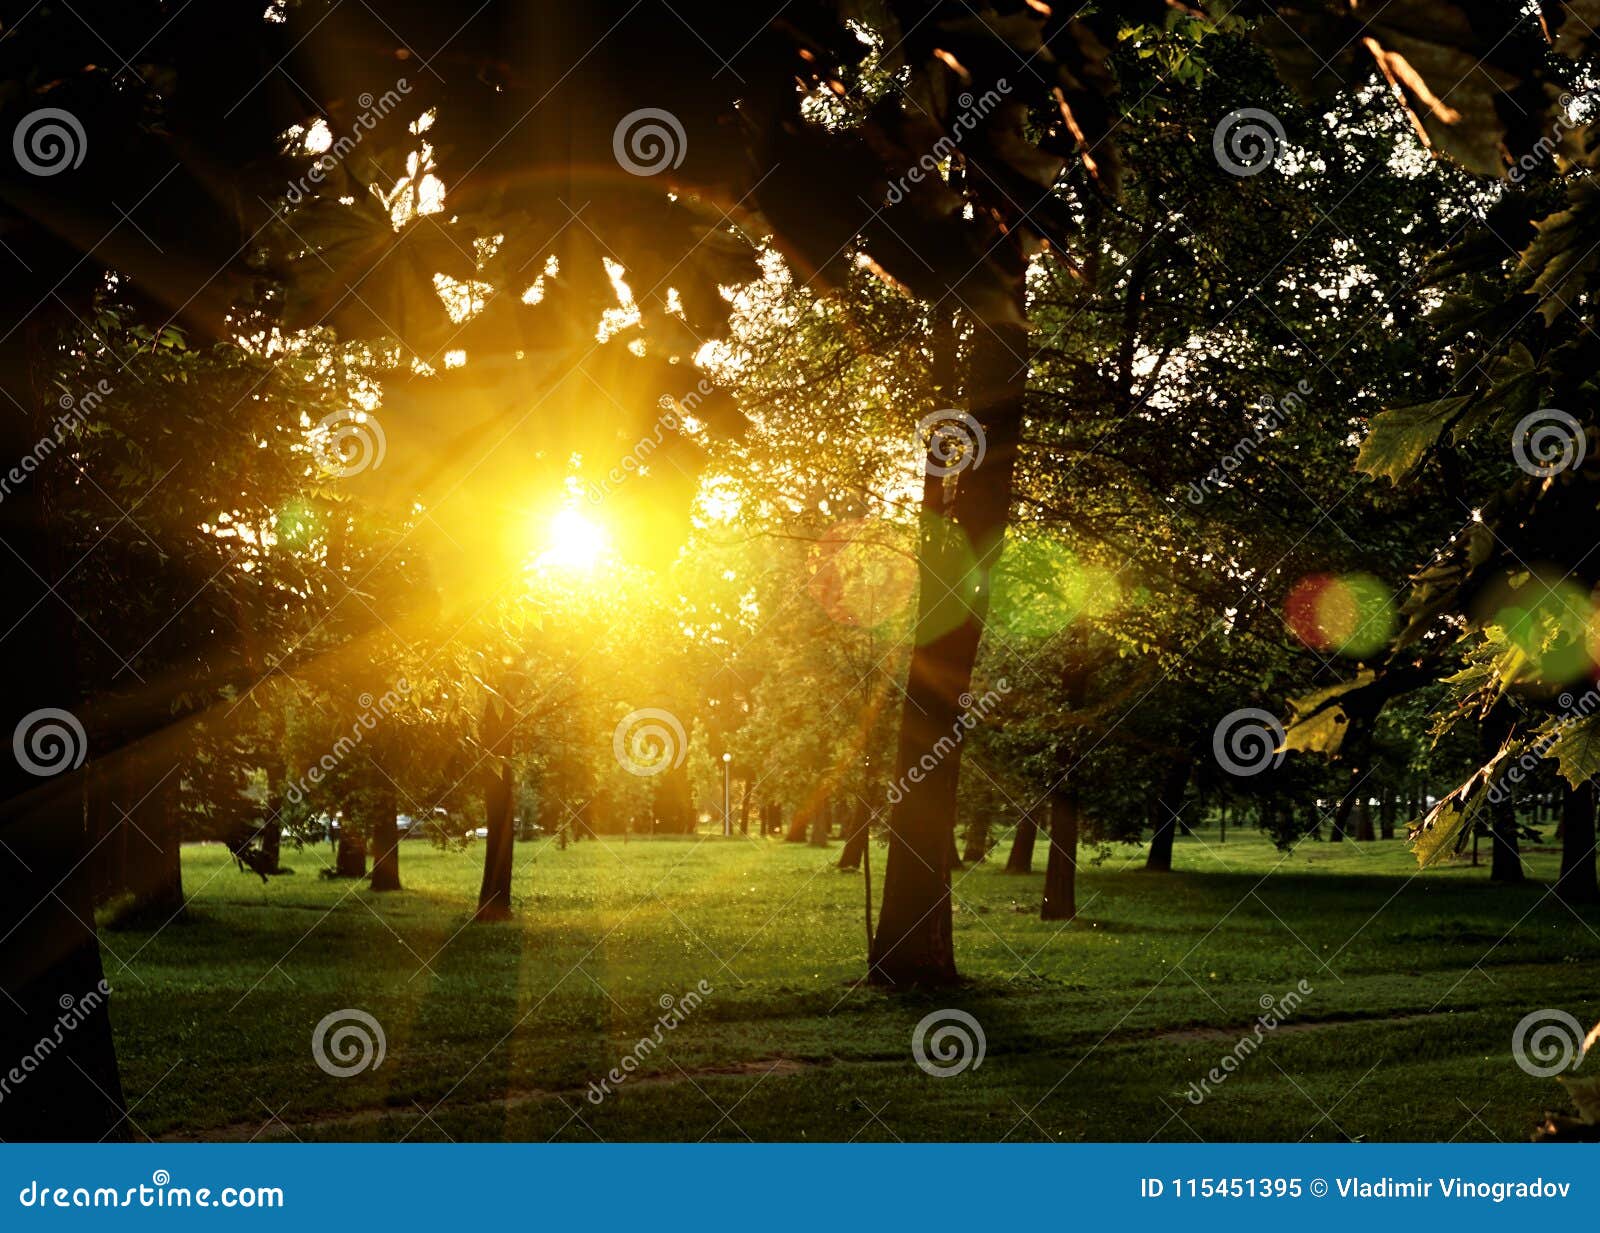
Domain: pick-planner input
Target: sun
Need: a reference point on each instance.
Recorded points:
(573, 542)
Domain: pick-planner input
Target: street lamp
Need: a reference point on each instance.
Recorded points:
(727, 795)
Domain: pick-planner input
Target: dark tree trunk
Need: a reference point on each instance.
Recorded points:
(494, 896)
(147, 809)
(1342, 811)
(385, 840)
(1506, 865)
(50, 957)
(799, 827)
(1022, 840)
(1061, 868)
(1169, 803)
(673, 802)
(771, 818)
(822, 827)
(350, 856)
(977, 839)
(1386, 811)
(856, 843)
(914, 943)
(744, 809)
(49, 965)
(101, 832)
(1363, 820)
(272, 846)
(1577, 882)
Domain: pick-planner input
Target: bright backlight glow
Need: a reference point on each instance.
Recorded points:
(574, 542)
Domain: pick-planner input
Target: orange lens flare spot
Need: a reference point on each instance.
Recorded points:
(858, 576)
(1351, 614)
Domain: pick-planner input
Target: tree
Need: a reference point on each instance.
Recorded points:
(1577, 881)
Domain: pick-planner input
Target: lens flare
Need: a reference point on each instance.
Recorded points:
(859, 574)
(1042, 585)
(1550, 623)
(1349, 614)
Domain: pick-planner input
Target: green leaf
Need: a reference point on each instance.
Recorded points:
(1563, 253)
(1577, 750)
(1320, 721)
(1450, 821)
(1399, 437)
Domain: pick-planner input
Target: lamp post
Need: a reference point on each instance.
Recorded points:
(727, 795)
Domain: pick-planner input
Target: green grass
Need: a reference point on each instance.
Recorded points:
(1094, 1031)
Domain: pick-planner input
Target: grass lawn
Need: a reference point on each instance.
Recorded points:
(1094, 1030)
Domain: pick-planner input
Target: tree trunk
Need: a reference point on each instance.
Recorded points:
(1386, 812)
(914, 943)
(822, 827)
(1022, 839)
(50, 957)
(1061, 869)
(672, 804)
(977, 839)
(350, 857)
(1506, 865)
(1577, 882)
(147, 810)
(494, 896)
(744, 808)
(799, 827)
(1364, 832)
(1342, 811)
(385, 839)
(1169, 803)
(272, 846)
(856, 842)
